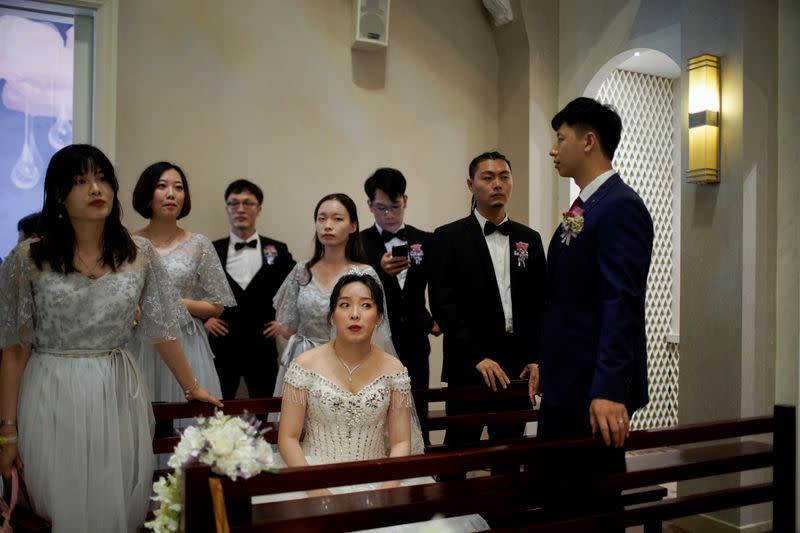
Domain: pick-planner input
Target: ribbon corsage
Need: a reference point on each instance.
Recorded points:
(270, 253)
(521, 251)
(571, 224)
(416, 253)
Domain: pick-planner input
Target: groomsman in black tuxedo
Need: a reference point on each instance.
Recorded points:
(398, 252)
(487, 291)
(243, 337)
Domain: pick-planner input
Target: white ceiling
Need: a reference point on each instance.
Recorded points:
(651, 62)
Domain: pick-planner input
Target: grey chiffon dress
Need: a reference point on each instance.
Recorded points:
(84, 417)
(195, 271)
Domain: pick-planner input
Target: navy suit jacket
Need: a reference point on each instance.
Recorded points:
(593, 330)
(466, 302)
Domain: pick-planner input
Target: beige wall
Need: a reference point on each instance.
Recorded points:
(541, 22)
(787, 292)
(271, 91)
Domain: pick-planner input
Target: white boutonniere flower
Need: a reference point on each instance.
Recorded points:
(571, 224)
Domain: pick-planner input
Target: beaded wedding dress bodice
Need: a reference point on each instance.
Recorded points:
(342, 426)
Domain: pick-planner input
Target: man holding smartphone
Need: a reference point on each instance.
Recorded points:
(399, 253)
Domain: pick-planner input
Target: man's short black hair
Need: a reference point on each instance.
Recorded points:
(240, 186)
(585, 114)
(473, 165)
(389, 180)
(29, 224)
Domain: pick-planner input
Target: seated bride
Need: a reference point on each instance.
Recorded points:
(351, 401)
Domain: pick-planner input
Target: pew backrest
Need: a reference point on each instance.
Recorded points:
(711, 452)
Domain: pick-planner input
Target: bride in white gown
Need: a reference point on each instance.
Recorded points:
(352, 401)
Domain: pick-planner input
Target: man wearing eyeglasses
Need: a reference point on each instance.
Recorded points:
(243, 337)
(397, 251)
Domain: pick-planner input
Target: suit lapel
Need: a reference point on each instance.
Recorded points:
(373, 244)
(557, 247)
(475, 233)
(412, 237)
(515, 266)
(600, 193)
(222, 252)
(261, 271)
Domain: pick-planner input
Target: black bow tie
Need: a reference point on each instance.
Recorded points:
(249, 244)
(388, 235)
(490, 228)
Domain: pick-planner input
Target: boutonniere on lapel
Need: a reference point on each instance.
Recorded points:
(416, 253)
(270, 253)
(521, 251)
(571, 224)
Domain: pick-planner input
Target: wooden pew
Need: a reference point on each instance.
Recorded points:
(517, 495)
(482, 395)
(166, 439)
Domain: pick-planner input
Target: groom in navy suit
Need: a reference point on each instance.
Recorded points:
(593, 357)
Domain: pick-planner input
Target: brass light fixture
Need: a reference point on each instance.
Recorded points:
(704, 119)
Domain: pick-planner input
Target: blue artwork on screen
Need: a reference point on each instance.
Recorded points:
(35, 113)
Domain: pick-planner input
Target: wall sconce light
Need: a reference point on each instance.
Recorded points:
(704, 96)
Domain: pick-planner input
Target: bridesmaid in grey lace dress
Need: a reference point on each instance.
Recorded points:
(301, 303)
(67, 385)
(351, 401)
(162, 196)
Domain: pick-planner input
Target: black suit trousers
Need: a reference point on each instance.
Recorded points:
(571, 421)
(254, 358)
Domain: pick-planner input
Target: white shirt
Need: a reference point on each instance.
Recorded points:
(401, 276)
(243, 264)
(595, 184)
(499, 251)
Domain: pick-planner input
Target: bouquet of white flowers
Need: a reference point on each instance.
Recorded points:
(232, 446)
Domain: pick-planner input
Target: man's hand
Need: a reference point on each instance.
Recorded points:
(492, 374)
(533, 381)
(216, 327)
(273, 329)
(611, 419)
(435, 329)
(394, 265)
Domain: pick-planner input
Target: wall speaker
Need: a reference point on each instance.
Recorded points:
(371, 24)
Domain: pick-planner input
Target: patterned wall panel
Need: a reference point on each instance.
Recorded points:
(644, 160)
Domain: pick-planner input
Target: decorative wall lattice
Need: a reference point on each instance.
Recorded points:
(644, 160)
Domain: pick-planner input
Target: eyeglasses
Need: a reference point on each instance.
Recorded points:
(247, 204)
(386, 209)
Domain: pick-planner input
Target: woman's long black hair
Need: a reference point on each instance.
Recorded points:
(57, 244)
(353, 251)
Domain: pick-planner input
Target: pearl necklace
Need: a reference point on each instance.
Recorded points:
(350, 371)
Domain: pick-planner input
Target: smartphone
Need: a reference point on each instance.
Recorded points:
(400, 251)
